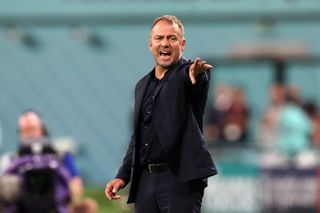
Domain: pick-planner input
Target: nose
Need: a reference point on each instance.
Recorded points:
(165, 42)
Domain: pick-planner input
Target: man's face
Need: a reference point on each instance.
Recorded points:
(166, 44)
(30, 126)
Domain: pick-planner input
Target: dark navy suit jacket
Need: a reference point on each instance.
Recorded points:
(177, 119)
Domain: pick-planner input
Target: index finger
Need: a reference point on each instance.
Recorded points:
(196, 61)
(208, 66)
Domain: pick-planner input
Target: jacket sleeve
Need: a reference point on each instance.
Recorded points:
(202, 80)
(198, 94)
(124, 172)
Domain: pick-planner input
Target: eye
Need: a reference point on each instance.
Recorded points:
(173, 38)
(157, 38)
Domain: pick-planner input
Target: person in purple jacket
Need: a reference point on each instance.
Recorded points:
(32, 131)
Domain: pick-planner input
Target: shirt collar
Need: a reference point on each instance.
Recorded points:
(153, 72)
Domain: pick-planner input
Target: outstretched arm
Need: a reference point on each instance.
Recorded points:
(198, 78)
(197, 68)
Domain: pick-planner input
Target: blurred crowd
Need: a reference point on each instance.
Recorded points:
(289, 124)
(227, 118)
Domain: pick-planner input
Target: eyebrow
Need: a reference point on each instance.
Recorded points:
(170, 35)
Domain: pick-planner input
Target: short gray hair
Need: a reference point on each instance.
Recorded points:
(169, 18)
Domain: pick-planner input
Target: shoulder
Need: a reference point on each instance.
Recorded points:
(183, 64)
(143, 80)
(182, 67)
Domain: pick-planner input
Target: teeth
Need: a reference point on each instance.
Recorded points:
(164, 53)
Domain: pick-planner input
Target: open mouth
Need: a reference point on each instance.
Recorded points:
(165, 53)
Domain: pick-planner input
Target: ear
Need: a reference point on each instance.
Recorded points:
(183, 44)
(150, 44)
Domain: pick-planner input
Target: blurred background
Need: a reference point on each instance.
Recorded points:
(77, 62)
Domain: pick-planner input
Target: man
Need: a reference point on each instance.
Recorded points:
(31, 128)
(167, 160)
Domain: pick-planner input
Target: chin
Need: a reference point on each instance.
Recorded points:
(166, 64)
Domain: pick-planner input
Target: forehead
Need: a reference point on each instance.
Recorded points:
(165, 27)
(29, 119)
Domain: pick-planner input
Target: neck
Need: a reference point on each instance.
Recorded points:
(160, 71)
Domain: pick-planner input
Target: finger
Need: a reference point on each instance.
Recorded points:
(208, 66)
(196, 61)
(109, 188)
(201, 68)
(191, 73)
(202, 63)
(193, 79)
(108, 194)
(108, 191)
(116, 197)
(113, 196)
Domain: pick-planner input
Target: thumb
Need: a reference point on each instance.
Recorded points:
(193, 79)
(191, 74)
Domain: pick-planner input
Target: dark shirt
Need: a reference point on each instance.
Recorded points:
(150, 147)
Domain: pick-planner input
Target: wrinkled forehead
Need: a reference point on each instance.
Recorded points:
(165, 27)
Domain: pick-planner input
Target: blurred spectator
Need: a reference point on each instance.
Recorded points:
(227, 120)
(215, 117)
(31, 128)
(294, 128)
(268, 130)
(286, 128)
(236, 121)
(293, 93)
